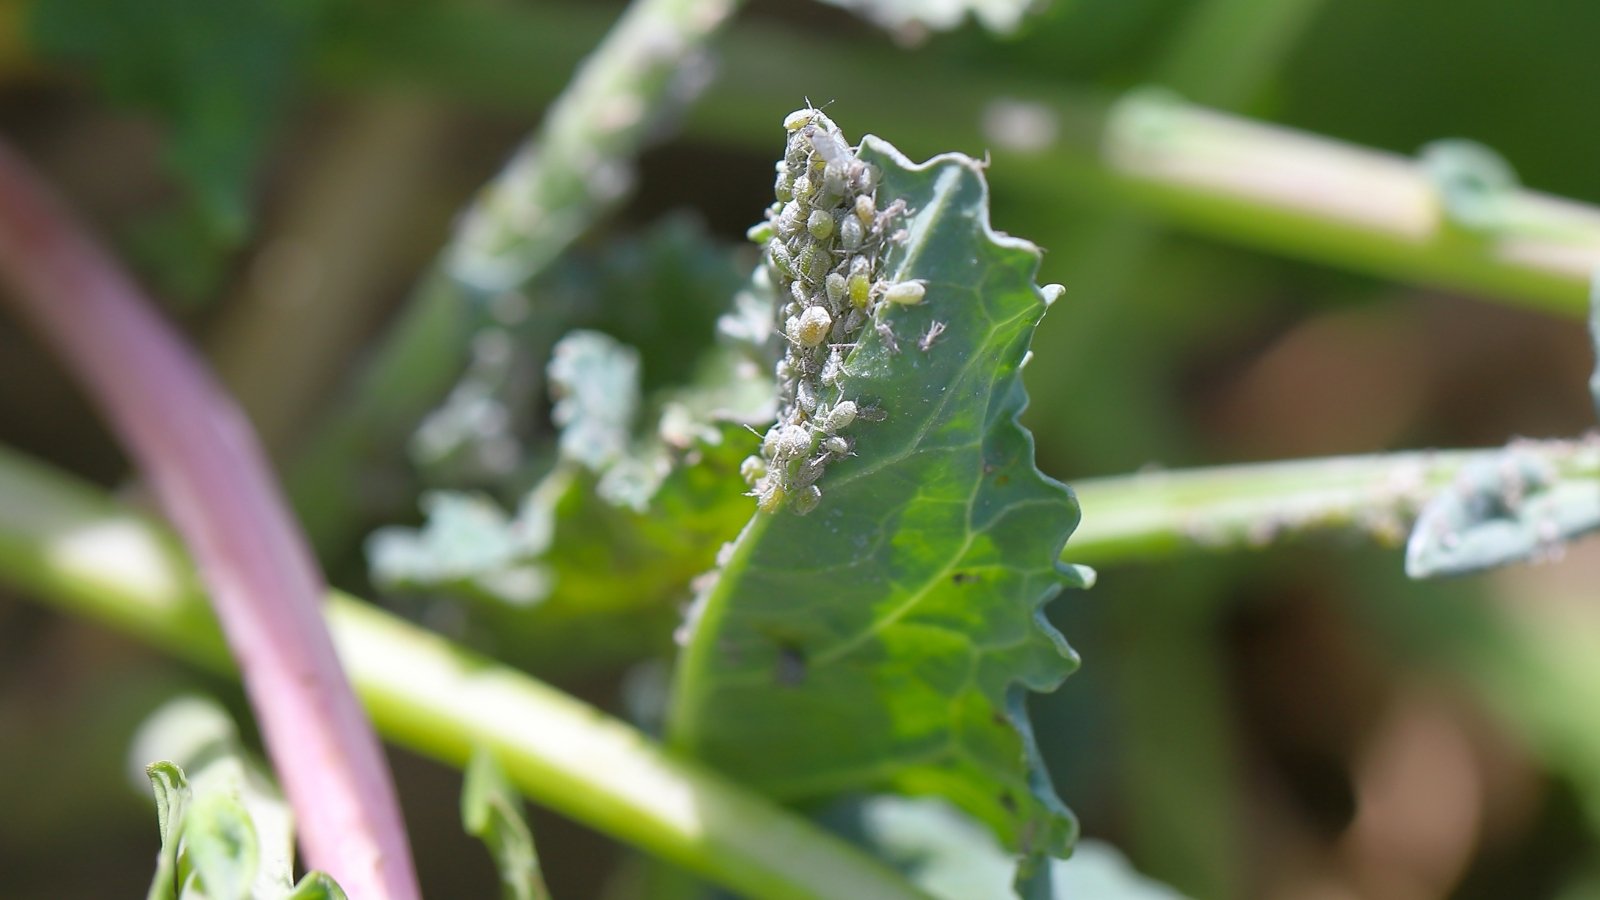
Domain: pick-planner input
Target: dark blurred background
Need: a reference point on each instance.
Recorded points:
(1299, 722)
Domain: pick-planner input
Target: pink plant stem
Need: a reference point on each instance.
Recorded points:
(206, 467)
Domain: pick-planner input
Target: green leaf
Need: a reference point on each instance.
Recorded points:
(172, 799)
(226, 830)
(492, 812)
(887, 640)
(952, 858)
(908, 16)
(221, 847)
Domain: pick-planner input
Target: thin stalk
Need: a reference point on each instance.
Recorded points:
(1279, 190)
(70, 546)
(1151, 515)
(573, 170)
(207, 469)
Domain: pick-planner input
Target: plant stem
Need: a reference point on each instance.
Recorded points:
(72, 547)
(205, 466)
(1155, 514)
(574, 169)
(1273, 189)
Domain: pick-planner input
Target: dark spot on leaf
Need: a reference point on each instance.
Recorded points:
(1008, 802)
(791, 670)
(963, 578)
(1002, 480)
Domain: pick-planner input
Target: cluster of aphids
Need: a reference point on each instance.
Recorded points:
(824, 239)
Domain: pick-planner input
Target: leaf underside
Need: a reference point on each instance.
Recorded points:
(886, 640)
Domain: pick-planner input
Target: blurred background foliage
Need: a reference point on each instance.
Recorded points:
(1293, 722)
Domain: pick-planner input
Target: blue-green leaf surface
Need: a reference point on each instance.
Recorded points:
(887, 639)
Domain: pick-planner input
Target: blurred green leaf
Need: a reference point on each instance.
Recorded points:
(216, 74)
(1515, 507)
(887, 640)
(954, 858)
(595, 382)
(225, 830)
(491, 812)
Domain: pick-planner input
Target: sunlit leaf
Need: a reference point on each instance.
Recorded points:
(887, 640)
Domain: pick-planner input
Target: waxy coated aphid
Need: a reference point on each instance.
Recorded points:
(805, 394)
(866, 211)
(836, 288)
(769, 441)
(840, 417)
(828, 144)
(770, 498)
(783, 187)
(834, 182)
(833, 369)
(905, 293)
(800, 118)
(793, 442)
(754, 468)
(815, 261)
(803, 188)
(812, 327)
(820, 224)
(836, 445)
(851, 233)
(781, 260)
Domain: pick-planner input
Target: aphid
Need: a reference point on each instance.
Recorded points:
(834, 182)
(815, 262)
(793, 442)
(905, 293)
(810, 328)
(833, 369)
(783, 186)
(886, 334)
(805, 396)
(781, 260)
(839, 417)
(770, 496)
(836, 445)
(807, 473)
(866, 211)
(836, 288)
(803, 188)
(859, 287)
(850, 233)
(760, 233)
(754, 468)
(800, 118)
(807, 500)
(769, 442)
(820, 224)
(935, 328)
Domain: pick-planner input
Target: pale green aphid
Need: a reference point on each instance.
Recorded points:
(820, 224)
(905, 293)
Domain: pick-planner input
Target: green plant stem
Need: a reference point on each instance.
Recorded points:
(1273, 189)
(72, 547)
(1151, 515)
(574, 169)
